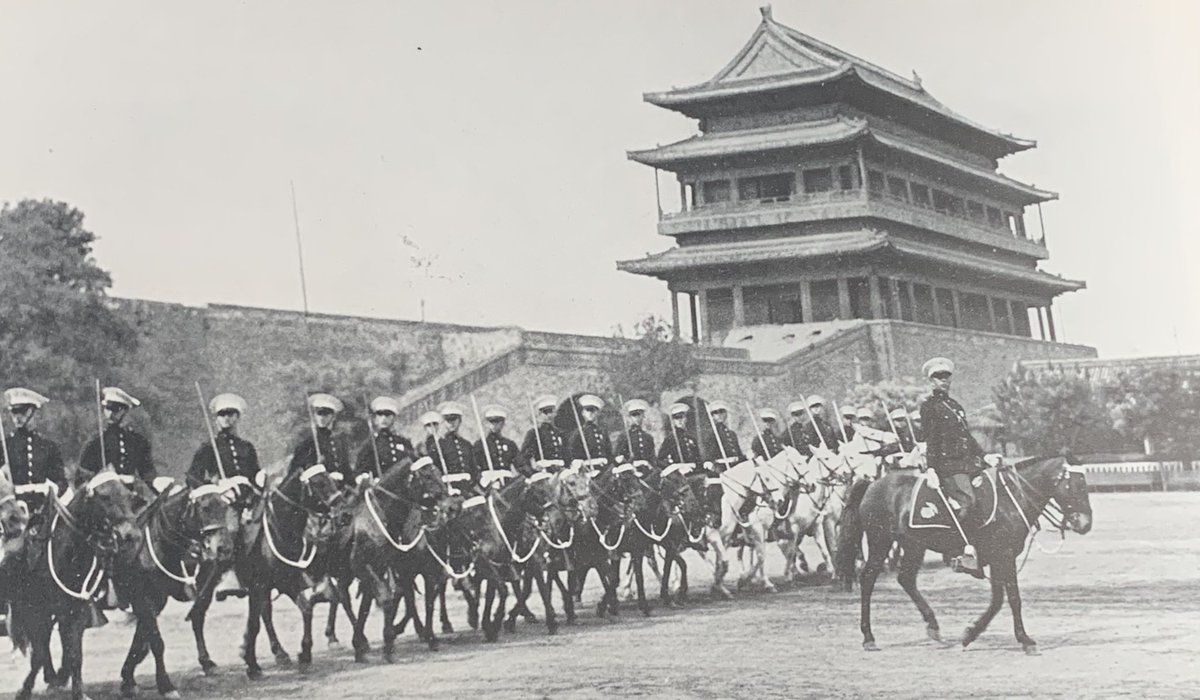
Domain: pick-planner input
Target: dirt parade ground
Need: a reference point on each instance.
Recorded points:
(1115, 613)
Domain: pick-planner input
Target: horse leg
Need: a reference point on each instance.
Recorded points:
(154, 637)
(521, 590)
(721, 566)
(877, 545)
(501, 599)
(331, 639)
(636, 560)
(447, 628)
(197, 615)
(976, 628)
(359, 640)
(38, 626)
(664, 588)
(268, 619)
(910, 564)
(760, 548)
(610, 578)
(257, 601)
(554, 575)
(1007, 572)
(682, 595)
(306, 606)
(137, 652)
(822, 543)
(546, 591)
(388, 608)
(70, 628)
(489, 634)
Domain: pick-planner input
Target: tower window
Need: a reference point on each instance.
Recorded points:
(846, 177)
(920, 196)
(766, 187)
(874, 180)
(818, 180)
(898, 188)
(717, 191)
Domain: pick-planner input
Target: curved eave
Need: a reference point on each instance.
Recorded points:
(983, 267)
(706, 147)
(1028, 193)
(683, 99)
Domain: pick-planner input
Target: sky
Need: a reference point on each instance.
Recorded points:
(488, 140)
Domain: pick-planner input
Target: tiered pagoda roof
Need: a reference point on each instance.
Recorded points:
(839, 129)
(778, 64)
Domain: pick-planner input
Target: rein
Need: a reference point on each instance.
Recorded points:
(308, 551)
(518, 559)
(186, 578)
(94, 576)
(368, 498)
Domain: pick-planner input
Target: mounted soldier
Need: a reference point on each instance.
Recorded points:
(545, 445)
(953, 453)
(320, 444)
(767, 443)
(36, 467)
(848, 418)
(238, 456)
(457, 456)
(125, 450)
(818, 432)
(678, 447)
(389, 448)
(727, 441)
(637, 445)
(502, 453)
(794, 436)
(589, 443)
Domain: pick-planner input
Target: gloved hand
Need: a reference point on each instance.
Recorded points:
(993, 459)
(358, 480)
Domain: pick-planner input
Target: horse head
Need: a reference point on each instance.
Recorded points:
(14, 513)
(314, 488)
(107, 512)
(678, 493)
(206, 519)
(575, 497)
(1071, 493)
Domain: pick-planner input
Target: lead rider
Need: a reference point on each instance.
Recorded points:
(952, 452)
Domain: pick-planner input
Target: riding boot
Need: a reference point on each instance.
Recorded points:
(230, 587)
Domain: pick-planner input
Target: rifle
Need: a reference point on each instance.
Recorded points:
(100, 423)
(371, 431)
(212, 438)
(482, 435)
(537, 435)
(587, 452)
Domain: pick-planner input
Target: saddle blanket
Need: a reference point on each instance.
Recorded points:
(928, 509)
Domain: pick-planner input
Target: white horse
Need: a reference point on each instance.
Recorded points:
(739, 484)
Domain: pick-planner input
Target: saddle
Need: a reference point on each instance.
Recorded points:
(928, 510)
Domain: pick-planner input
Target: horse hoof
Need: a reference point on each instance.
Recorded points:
(434, 644)
(129, 691)
(870, 646)
(1031, 650)
(934, 633)
(822, 568)
(770, 588)
(304, 667)
(510, 625)
(172, 695)
(551, 627)
(389, 657)
(254, 674)
(208, 667)
(332, 642)
(283, 659)
(646, 612)
(360, 656)
(447, 628)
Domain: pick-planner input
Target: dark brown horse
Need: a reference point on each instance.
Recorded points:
(682, 516)
(60, 574)
(1024, 494)
(274, 554)
(183, 529)
(619, 498)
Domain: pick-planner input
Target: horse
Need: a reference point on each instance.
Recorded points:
(619, 497)
(1024, 493)
(740, 485)
(672, 505)
(568, 507)
(87, 537)
(387, 528)
(182, 527)
(262, 564)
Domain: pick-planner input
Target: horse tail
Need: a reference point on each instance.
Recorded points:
(850, 531)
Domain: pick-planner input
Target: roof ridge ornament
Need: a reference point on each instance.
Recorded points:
(917, 80)
(766, 12)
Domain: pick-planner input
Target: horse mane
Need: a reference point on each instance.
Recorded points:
(395, 475)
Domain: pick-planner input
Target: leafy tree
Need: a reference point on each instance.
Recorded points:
(1047, 411)
(1158, 407)
(58, 328)
(653, 363)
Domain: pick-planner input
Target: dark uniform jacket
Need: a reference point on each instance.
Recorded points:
(794, 436)
(598, 444)
(766, 445)
(391, 449)
(642, 446)
(334, 454)
(553, 444)
(238, 457)
(950, 447)
(127, 450)
(678, 447)
(849, 431)
(35, 460)
(504, 454)
(830, 433)
(458, 453)
(728, 446)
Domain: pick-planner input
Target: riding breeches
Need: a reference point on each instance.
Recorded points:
(958, 487)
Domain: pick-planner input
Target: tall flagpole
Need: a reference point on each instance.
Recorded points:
(299, 251)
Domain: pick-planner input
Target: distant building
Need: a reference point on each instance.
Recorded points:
(822, 187)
